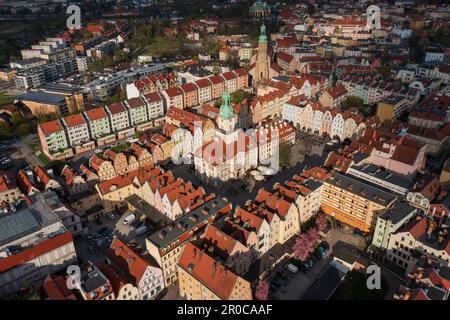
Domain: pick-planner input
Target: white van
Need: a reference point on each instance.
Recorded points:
(129, 219)
(291, 268)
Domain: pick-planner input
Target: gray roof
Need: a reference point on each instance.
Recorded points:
(29, 220)
(312, 184)
(43, 97)
(17, 225)
(187, 222)
(56, 87)
(398, 211)
(383, 174)
(324, 286)
(92, 278)
(360, 156)
(346, 252)
(361, 188)
(156, 218)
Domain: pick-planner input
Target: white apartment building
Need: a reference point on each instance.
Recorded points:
(77, 129)
(204, 90)
(155, 105)
(137, 111)
(118, 116)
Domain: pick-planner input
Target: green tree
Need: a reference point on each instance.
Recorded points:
(217, 69)
(239, 96)
(5, 130)
(352, 102)
(384, 71)
(120, 56)
(24, 129)
(233, 59)
(17, 119)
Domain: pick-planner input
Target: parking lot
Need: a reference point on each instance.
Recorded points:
(92, 245)
(289, 286)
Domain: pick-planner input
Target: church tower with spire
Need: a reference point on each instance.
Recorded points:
(262, 62)
(227, 119)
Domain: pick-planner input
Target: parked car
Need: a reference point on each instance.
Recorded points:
(318, 254)
(273, 288)
(282, 275)
(98, 222)
(303, 268)
(92, 235)
(129, 219)
(324, 245)
(135, 224)
(276, 284)
(309, 262)
(141, 230)
(291, 268)
(111, 216)
(104, 231)
(91, 249)
(357, 233)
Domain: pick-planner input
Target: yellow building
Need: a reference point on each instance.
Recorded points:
(7, 74)
(445, 173)
(201, 277)
(391, 108)
(354, 202)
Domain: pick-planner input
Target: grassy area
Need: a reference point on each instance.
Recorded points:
(354, 288)
(33, 147)
(5, 99)
(37, 151)
(43, 158)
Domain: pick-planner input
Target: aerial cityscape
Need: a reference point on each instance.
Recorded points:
(224, 150)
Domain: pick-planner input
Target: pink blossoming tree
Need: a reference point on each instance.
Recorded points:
(302, 247)
(321, 222)
(262, 291)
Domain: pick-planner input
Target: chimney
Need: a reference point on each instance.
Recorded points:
(214, 269)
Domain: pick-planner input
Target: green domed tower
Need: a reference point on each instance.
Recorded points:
(226, 110)
(227, 119)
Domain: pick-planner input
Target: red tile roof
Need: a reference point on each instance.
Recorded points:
(286, 57)
(56, 289)
(229, 75)
(153, 97)
(51, 127)
(135, 102)
(173, 92)
(241, 72)
(74, 120)
(38, 250)
(216, 79)
(188, 87)
(128, 260)
(24, 183)
(96, 114)
(144, 173)
(117, 107)
(203, 83)
(209, 272)
(337, 91)
(42, 175)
